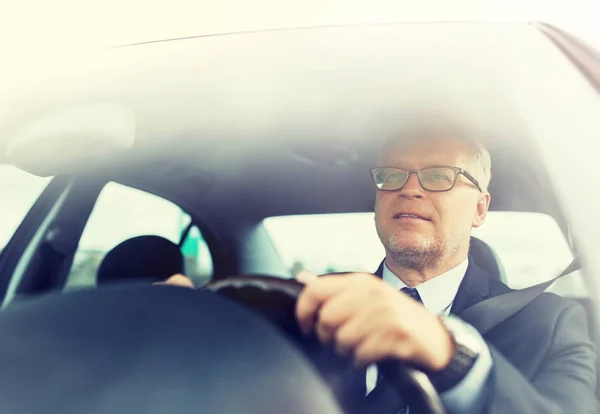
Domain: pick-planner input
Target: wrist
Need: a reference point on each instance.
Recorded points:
(465, 349)
(439, 357)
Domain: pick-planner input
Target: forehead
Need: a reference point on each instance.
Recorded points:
(421, 153)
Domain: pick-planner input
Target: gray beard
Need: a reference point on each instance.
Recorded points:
(419, 258)
(426, 256)
(413, 258)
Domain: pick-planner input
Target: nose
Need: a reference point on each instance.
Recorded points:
(412, 188)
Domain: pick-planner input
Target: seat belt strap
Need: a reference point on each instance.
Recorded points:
(491, 312)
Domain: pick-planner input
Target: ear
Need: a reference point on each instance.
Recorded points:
(483, 204)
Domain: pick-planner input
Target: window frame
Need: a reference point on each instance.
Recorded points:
(28, 235)
(62, 230)
(179, 240)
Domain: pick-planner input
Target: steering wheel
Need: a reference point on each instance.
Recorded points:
(275, 298)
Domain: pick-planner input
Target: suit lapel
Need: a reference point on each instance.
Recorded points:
(474, 288)
(477, 285)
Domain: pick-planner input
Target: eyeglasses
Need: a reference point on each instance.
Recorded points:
(435, 179)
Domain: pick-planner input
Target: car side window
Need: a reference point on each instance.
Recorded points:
(121, 213)
(19, 191)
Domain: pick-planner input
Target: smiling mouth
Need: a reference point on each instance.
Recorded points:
(409, 216)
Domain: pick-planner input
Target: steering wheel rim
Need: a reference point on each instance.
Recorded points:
(276, 298)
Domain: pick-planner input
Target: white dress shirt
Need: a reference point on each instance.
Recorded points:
(438, 296)
(438, 293)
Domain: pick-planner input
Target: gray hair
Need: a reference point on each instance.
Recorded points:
(420, 129)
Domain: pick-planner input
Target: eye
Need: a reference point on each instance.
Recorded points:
(389, 179)
(438, 175)
(395, 177)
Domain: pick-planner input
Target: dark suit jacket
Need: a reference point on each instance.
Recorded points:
(543, 358)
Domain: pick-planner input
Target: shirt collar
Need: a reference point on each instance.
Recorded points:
(437, 293)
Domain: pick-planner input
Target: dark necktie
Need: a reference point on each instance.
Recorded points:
(413, 293)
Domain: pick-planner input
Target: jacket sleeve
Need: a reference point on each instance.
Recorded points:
(565, 382)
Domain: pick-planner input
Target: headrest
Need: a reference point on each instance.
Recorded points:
(151, 258)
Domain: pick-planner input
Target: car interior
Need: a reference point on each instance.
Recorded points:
(247, 155)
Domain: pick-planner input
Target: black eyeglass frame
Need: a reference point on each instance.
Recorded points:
(457, 171)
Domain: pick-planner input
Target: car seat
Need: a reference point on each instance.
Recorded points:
(485, 257)
(142, 258)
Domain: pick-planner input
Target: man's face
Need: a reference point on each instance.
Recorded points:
(446, 218)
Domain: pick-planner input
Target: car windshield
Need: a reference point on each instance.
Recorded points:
(531, 246)
(200, 160)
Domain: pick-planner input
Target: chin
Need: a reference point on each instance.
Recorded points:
(409, 241)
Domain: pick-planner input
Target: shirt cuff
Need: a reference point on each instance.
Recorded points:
(468, 396)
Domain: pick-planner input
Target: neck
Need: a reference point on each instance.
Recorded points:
(414, 277)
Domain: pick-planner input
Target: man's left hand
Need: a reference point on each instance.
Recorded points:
(177, 280)
(364, 317)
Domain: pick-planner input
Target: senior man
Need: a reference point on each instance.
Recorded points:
(431, 190)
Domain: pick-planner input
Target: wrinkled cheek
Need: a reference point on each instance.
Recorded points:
(377, 204)
(378, 214)
(380, 226)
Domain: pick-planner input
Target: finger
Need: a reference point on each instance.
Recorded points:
(377, 347)
(314, 295)
(177, 280)
(307, 307)
(373, 321)
(324, 287)
(340, 308)
(305, 276)
(354, 331)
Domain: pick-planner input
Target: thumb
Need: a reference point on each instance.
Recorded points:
(305, 276)
(177, 280)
